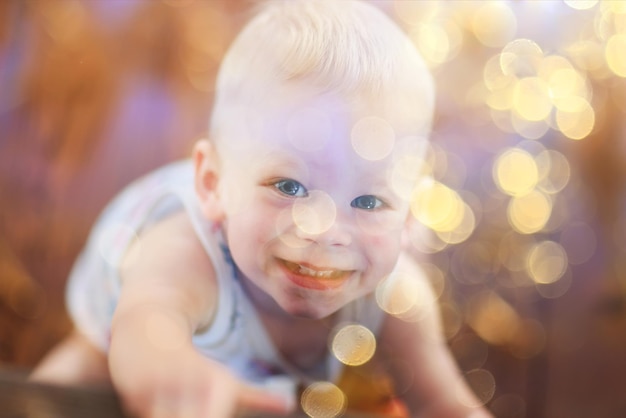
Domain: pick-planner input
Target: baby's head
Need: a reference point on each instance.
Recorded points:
(347, 47)
(322, 111)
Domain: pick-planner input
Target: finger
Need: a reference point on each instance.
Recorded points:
(257, 399)
(163, 407)
(219, 400)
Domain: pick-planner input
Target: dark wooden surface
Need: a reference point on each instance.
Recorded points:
(20, 398)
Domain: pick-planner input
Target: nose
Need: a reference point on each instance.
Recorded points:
(337, 235)
(316, 219)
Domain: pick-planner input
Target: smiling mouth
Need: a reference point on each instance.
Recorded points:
(324, 276)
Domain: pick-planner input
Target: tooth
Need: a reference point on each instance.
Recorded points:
(314, 273)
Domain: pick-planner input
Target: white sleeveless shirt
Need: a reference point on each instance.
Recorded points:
(236, 337)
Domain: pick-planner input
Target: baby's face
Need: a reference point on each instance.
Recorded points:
(313, 191)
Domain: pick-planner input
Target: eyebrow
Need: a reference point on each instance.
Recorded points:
(283, 161)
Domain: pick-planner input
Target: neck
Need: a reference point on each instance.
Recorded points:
(270, 310)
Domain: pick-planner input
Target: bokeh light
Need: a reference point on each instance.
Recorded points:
(323, 400)
(404, 174)
(581, 4)
(508, 405)
(554, 171)
(353, 345)
(515, 172)
(530, 213)
(483, 385)
(494, 23)
(403, 295)
(373, 138)
(578, 121)
(547, 262)
(492, 318)
(441, 209)
(316, 214)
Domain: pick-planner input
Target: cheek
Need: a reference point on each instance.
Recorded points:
(247, 238)
(254, 225)
(380, 224)
(383, 249)
(236, 203)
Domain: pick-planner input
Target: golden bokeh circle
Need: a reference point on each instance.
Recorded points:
(323, 400)
(354, 345)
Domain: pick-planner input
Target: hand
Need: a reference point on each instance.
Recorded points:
(159, 373)
(186, 384)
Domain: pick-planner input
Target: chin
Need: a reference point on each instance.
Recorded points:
(308, 310)
(304, 309)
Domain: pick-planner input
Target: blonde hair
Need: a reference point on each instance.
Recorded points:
(344, 46)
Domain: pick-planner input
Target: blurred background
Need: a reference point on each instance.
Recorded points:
(527, 206)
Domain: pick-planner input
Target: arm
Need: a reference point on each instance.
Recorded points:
(438, 388)
(169, 292)
(75, 360)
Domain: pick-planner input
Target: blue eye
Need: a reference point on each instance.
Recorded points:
(291, 188)
(367, 202)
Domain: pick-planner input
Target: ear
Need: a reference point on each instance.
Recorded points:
(206, 171)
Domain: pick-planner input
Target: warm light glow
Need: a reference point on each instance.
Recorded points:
(512, 249)
(403, 295)
(492, 318)
(616, 6)
(516, 202)
(494, 24)
(414, 12)
(483, 385)
(463, 229)
(578, 121)
(404, 174)
(315, 214)
(547, 262)
(515, 172)
(323, 400)
(452, 319)
(494, 77)
(565, 84)
(530, 339)
(353, 345)
(615, 56)
(581, 4)
(437, 206)
(433, 42)
(529, 129)
(554, 171)
(529, 213)
(521, 58)
(557, 288)
(531, 98)
(373, 138)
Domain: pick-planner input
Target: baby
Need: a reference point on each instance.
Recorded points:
(262, 273)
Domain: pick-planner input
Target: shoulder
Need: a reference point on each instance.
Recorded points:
(173, 238)
(408, 297)
(167, 260)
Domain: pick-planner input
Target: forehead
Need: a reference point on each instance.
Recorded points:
(297, 116)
